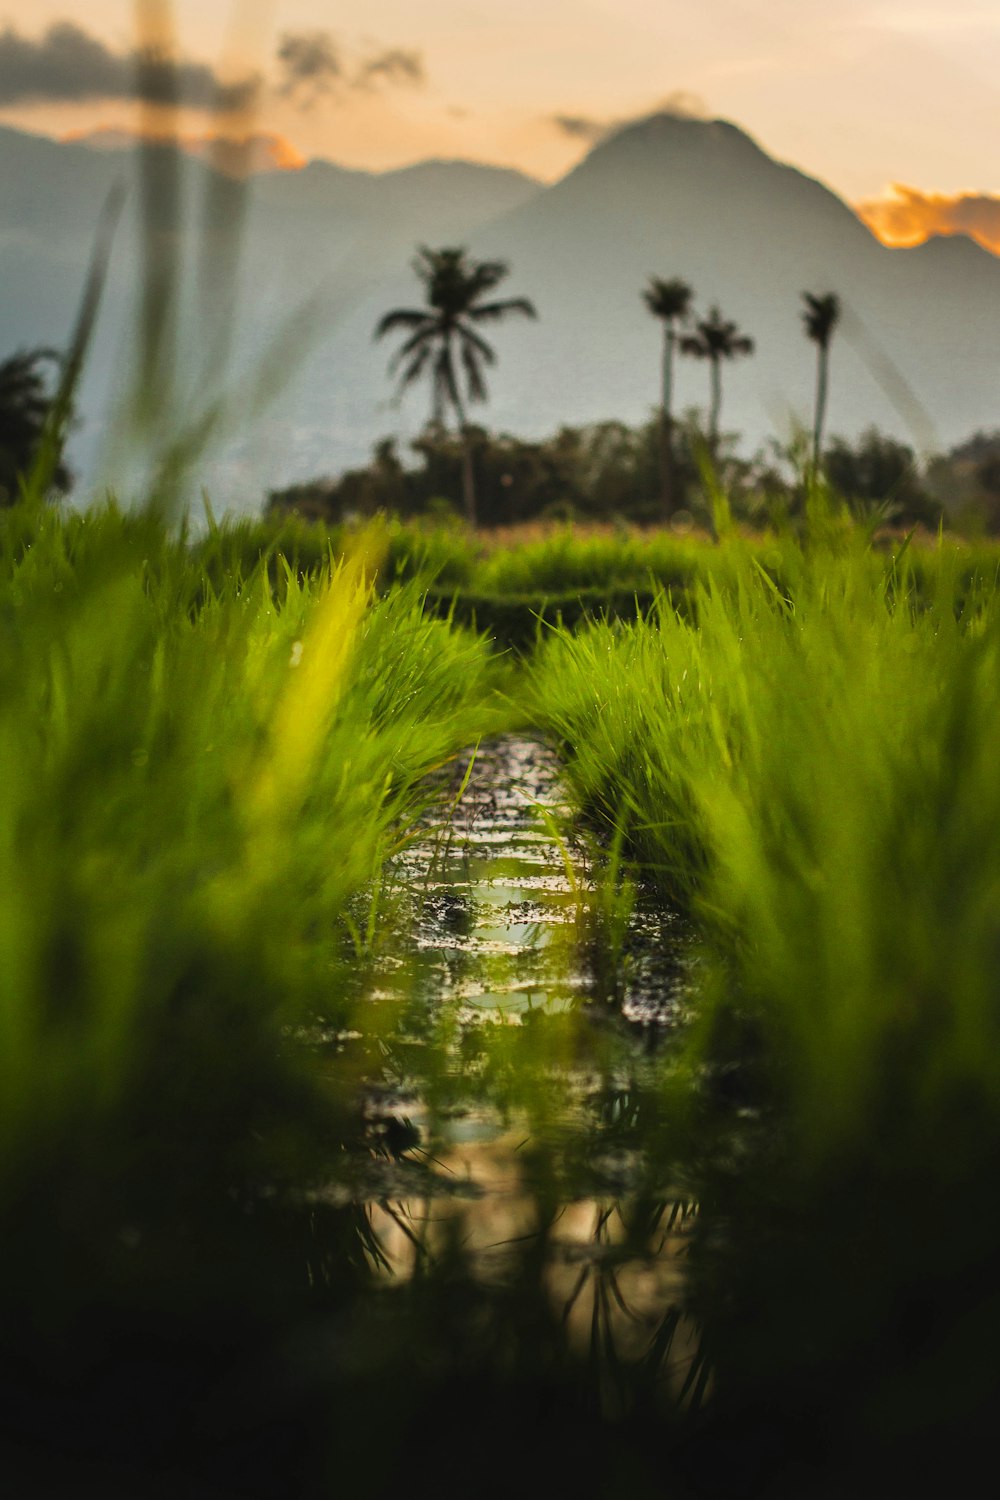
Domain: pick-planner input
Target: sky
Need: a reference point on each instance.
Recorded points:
(894, 103)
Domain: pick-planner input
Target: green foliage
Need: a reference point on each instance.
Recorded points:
(879, 471)
(200, 783)
(25, 402)
(810, 770)
(607, 471)
(208, 750)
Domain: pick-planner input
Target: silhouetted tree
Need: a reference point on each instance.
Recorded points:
(25, 403)
(670, 301)
(444, 332)
(716, 339)
(878, 472)
(820, 315)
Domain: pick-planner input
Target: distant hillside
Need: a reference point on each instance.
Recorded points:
(701, 200)
(666, 196)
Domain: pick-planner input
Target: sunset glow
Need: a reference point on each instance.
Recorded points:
(236, 156)
(907, 216)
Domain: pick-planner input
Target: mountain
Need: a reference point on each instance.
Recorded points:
(325, 236)
(240, 158)
(917, 353)
(701, 200)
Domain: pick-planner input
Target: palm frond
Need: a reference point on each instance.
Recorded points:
(492, 311)
(486, 275)
(473, 374)
(669, 300)
(486, 350)
(416, 366)
(423, 336)
(716, 337)
(445, 384)
(402, 317)
(820, 315)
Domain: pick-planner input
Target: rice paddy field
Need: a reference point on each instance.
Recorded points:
(509, 1017)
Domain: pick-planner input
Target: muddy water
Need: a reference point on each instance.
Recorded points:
(510, 919)
(519, 1113)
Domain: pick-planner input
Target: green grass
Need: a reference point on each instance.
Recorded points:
(200, 789)
(208, 752)
(504, 585)
(811, 772)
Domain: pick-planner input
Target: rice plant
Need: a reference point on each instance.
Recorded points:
(810, 771)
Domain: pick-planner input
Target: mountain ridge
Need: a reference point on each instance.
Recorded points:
(664, 196)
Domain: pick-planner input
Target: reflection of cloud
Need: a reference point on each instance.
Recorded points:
(907, 216)
(69, 65)
(590, 128)
(312, 66)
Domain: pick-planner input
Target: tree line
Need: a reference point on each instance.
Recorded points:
(610, 471)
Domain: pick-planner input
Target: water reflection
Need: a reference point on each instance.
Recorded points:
(516, 1128)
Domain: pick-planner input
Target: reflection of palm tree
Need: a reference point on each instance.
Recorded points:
(820, 316)
(444, 330)
(716, 339)
(668, 301)
(25, 404)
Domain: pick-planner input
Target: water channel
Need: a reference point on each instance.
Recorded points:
(519, 1114)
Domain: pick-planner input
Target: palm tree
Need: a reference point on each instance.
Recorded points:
(716, 339)
(669, 301)
(444, 330)
(820, 316)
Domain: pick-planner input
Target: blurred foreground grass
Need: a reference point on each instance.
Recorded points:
(805, 760)
(199, 790)
(209, 750)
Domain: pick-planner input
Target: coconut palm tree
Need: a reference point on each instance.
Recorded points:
(716, 339)
(445, 331)
(820, 316)
(670, 301)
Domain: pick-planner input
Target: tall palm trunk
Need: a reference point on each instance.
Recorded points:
(667, 423)
(468, 472)
(822, 379)
(716, 407)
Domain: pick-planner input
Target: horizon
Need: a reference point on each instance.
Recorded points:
(856, 100)
(889, 218)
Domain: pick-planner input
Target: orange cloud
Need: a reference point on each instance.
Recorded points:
(236, 156)
(907, 216)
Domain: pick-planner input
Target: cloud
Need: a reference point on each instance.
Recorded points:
(69, 65)
(590, 128)
(684, 104)
(396, 65)
(584, 127)
(312, 66)
(907, 216)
